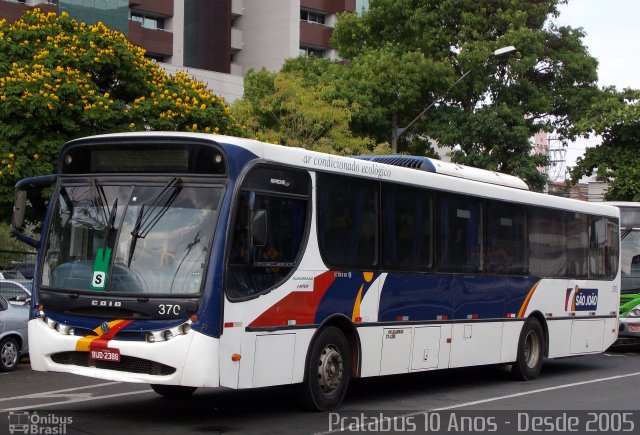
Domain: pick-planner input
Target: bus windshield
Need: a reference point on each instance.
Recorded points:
(631, 260)
(149, 238)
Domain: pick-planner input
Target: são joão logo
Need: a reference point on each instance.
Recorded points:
(581, 299)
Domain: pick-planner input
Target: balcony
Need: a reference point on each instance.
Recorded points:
(159, 7)
(315, 35)
(329, 6)
(236, 39)
(237, 7)
(12, 11)
(156, 42)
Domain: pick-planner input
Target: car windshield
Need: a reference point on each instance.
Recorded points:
(143, 238)
(631, 260)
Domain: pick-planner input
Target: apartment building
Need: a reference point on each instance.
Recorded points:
(216, 40)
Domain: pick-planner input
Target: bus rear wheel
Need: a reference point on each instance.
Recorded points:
(173, 391)
(531, 347)
(328, 371)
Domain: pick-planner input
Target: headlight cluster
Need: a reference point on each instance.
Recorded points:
(151, 337)
(168, 334)
(60, 327)
(634, 312)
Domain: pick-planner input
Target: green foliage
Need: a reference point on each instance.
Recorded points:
(10, 243)
(616, 160)
(60, 79)
(404, 55)
(288, 109)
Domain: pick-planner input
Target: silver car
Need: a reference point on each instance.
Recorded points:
(13, 334)
(15, 292)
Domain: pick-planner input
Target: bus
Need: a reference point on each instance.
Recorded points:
(630, 267)
(187, 260)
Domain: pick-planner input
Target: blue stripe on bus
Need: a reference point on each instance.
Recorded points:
(210, 319)
(427, 296)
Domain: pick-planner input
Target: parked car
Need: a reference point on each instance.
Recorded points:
(13, 334)
(11, 274)
(24, 268)
(16, 293)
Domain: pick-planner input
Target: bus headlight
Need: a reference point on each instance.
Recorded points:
(167, 334)
(185, 328)
(635, 312)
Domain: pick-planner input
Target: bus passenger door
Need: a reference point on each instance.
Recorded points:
(230, 353)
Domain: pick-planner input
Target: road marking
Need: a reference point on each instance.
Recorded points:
(540, 390)
(76, 400)
(55, 392)
(353, 427)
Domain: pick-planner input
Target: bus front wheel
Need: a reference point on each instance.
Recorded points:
(328, 371)
(173, 391)
(531, 347)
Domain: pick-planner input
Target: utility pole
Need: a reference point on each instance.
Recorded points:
(396, 131)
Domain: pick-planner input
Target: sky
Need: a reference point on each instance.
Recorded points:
(612, 30)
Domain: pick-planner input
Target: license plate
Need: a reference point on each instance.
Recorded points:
(634, 328)
(105, 354)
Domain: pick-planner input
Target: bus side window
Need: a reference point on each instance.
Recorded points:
(256, 268)
(604, 249)
(406, 227)
(547, 243)
(577, 245)
(506, 239)
(459, 234)
(348, 227)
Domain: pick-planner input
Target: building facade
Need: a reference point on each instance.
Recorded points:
(219, 39)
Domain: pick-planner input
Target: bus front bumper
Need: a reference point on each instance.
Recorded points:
(190, 359)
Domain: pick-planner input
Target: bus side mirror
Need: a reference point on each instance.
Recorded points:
(29, 204)
(19, 205)
(259, 228)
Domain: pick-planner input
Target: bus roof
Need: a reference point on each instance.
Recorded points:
(472, 181)
(451, 169)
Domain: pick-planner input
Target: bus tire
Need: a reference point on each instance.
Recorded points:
(531, 345)
(328, 371)
(9, 354)
(173, 391)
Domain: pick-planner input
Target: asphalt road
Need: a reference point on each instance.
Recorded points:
(591, 391)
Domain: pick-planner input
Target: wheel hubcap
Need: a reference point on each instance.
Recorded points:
(9, 355)
(330, 369)
(532, 349)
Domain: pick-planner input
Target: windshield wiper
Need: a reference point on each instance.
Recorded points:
(99, 200)
(146, 221)
(111, 221)
(188, 249)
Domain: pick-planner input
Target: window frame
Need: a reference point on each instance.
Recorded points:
(313, 17)
(234, 215)
(490, 205)
(480, 231)
(377, 242)
(430, 194)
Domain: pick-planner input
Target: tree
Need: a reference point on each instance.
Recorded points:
(377, 85)
(490, 116)
(616, 160)
(60, 79)
(286, 109)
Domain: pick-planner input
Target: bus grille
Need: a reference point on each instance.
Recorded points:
(127, 363)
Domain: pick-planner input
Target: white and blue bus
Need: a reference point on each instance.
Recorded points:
(195, 260)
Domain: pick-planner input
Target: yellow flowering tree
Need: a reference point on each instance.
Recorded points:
(61, 79)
